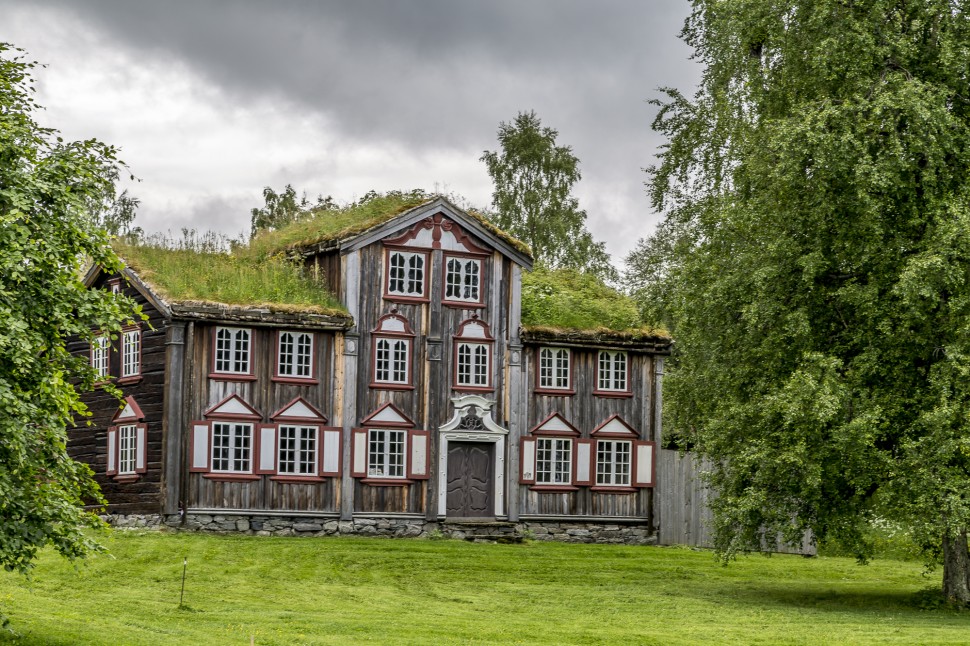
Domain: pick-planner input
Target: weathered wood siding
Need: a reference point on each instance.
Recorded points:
(88, 442)
(586, 411)
(267, 397)
(434, 325)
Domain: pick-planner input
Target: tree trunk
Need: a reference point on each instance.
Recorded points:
(956, 569)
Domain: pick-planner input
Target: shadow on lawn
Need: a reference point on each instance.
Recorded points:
(832, 599)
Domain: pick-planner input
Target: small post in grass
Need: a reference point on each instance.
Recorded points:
(185, 562)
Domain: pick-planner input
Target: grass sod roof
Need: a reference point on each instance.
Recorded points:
(202, 278)
(334, 225)
(569, 306)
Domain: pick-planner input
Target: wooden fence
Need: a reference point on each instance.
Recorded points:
(682, 506)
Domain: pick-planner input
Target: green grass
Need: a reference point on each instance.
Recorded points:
(351, 591)
(566, 299)
(192, 275)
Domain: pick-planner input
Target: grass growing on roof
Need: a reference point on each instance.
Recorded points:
(357, 590)
(202, 273)
(570, 300)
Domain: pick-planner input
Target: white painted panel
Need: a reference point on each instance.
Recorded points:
(528, 459)
(392, 325)
(112, 438)
(582, 461)
(556, 424)
(267, 448)
(126, 413)
(389, 416)
(141, 442)
(614, 426)
(424, 239)
(360, 452)
(200, 446)
(644, 463)
(331, 451)
(473, 330)
(298, 409)
(419, 455)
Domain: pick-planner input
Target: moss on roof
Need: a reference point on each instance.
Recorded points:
(371, 211)
(565, 302)
(189, 276)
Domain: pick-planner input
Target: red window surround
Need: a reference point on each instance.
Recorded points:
(389, 339)
(290, 378)
(547, 390)
(247, 375)
(472, 344)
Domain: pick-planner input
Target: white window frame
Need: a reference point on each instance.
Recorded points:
(613, 457)
(552, 453)
(305, 450)
(473, 365)
(294, 356)
(226, 359)
(238, 452)
(457, 281)
(555, 368)
(127, 449)
(392, 361)
(387, 453)
(399, 282)
(100, 353)
(613, 371)
(130, 353)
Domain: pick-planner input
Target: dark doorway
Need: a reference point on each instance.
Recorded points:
(470, 487)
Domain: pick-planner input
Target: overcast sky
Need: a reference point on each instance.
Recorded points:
(210, 101)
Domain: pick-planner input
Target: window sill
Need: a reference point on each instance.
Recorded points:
(395, 298)
(294, 479)
(387, 482)
(380, 385)
(553, 488)
(469, 305)
(555, 392)
(225, 376)
(296, 381)
(616, 394)
(231, 477)
(613, 489)
(473, 389)
(127, 478)
(130, 380)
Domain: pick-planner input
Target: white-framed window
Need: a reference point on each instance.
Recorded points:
(612, 371)
(232, 447)
(613, 462)
(463, 278)
(298, 450)
(405, 273)
(295, 355)
(554, 368)
(391, 360)
(127, 448)
(130, 353)
(233, 346)
(554, 461)
(100, 351)
(385, 453)
(473, 364)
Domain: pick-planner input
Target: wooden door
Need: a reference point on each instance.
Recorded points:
(471, 490)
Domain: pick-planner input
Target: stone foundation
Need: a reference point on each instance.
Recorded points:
(567, 532)
(133, 521)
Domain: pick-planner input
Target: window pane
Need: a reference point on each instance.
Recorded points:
(126, 449)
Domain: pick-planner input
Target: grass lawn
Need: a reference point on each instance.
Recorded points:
(352, 590)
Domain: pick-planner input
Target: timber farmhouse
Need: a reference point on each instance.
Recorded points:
(417, 402)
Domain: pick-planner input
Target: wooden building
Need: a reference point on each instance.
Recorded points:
(425, 405)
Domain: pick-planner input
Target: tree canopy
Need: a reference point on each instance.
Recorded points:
(814, 269)
(284, 208)
(533, 179)
(51, 192)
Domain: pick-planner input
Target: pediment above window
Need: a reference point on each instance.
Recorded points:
(299, 410)
(130, 412)
(393, 323)
(388, 415)
(474, 328)
(614, 426)
(555, 424)
(438, 232)
(233, 407)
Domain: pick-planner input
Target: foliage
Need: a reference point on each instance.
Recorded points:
(47, 234)
(814, 267)
(203, 269)
(282, 209)
(533, 178)
(356, 590)
(569, 299)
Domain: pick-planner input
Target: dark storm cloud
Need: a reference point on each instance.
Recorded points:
(433, 74)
